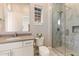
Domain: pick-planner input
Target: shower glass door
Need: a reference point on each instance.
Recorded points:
(59, 29)
(60, 34)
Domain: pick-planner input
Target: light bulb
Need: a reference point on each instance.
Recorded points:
(9, 7)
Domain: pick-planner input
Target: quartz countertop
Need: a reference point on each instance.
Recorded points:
(15, 39)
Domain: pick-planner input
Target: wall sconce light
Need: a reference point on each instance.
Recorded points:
(9, 7)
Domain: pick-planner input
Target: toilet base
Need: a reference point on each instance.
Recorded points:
(43, 51)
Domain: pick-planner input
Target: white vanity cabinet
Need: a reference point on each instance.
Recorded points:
(22, 48)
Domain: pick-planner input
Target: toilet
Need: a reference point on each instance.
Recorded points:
(43, 50)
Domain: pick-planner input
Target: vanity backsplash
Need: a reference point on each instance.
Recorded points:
(14, 34)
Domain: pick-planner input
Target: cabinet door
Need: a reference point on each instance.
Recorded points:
(18, 52)
(28, 51)
(28, 48)
(5, 53)
(24, 51)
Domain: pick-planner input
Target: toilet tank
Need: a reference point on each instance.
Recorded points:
(40, 41)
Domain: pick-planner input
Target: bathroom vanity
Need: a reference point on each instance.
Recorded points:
(17, 46)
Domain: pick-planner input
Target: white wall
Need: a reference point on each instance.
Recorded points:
(45, 28)
(2, 17)
(14, 17)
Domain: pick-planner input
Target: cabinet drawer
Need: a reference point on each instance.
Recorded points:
(6, 46)
(5, 53)
(28, 43)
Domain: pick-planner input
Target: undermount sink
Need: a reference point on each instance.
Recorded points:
(12, 38)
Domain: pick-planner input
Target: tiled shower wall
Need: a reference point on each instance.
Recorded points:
(72, 19)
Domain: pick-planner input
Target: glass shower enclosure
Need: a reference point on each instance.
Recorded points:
(65, 28)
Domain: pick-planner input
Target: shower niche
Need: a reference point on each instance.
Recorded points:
(75, 29)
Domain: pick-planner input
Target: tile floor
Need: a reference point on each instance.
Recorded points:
(53, 52)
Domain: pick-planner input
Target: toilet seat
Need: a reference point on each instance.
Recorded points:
(43, 51)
